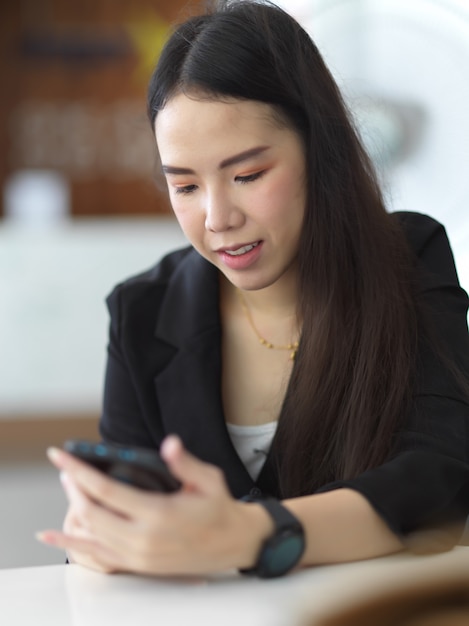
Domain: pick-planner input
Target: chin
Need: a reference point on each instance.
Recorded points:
(247, 283)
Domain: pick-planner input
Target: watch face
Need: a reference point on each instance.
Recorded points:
(283, 553)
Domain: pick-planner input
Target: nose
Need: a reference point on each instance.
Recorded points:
(221, 212)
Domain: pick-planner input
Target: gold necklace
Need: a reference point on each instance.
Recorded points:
(292, 347)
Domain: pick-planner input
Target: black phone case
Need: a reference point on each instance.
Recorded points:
(135, 466)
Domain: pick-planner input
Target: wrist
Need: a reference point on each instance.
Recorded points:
(284, 546)
(256, 526)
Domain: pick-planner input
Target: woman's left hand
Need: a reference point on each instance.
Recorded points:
(199, 529)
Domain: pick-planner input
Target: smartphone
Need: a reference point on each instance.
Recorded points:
(139, 467)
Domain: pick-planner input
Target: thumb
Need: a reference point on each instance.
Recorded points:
(194, 474)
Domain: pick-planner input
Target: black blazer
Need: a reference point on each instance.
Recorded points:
(164, 376)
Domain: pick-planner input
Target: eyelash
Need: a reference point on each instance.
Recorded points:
(244, 180)
(185, 190)
(250, 177)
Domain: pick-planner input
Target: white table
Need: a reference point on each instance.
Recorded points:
(61, 595)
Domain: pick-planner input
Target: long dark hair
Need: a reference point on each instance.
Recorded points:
(352, 380)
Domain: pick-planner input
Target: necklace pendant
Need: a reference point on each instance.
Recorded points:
(292, 347)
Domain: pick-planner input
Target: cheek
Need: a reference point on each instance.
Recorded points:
(284, 196)
(189, 218)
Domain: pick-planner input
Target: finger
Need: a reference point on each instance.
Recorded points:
(81, 503)
(73, 469)
(108, 492)
(112, 529)
(85, 551)
(63, 460)
(191, 471)
(78, 528)
(71, 490)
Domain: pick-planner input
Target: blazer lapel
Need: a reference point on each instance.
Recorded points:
(189, 387)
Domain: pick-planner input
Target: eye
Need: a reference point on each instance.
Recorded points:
(185, 189)
(249, 178)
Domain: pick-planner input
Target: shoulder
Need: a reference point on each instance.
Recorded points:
(419, 229)
(429, 242)
(173, 300)
(145, 290)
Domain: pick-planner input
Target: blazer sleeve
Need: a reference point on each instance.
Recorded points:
(422, 492)
(131, 413)
(122, 419)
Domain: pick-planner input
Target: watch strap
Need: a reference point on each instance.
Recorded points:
(284, 522)
(281, 516)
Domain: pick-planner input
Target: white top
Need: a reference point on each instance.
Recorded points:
(252, 443)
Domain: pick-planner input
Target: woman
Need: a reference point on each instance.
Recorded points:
(308, 347)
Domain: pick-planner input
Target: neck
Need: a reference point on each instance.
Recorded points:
(272, 310)
(278, 301)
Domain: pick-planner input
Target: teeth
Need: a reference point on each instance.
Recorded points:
(242, 250)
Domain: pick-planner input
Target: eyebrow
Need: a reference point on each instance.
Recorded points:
(233, 160)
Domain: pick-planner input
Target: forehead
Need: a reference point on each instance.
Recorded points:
(187, 121)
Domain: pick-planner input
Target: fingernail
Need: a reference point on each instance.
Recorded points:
(44, 537)
(54, 454)
(171, 442)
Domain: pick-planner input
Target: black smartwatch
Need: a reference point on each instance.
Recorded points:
(282, 550)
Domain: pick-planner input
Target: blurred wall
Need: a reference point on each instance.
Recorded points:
(73, 97)
(403, 68)
(79, 205)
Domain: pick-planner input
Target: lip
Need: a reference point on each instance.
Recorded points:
(237, 246)
(242, 261)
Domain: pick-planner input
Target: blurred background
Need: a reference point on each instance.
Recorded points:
(80, 208)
